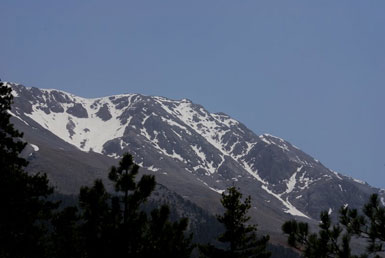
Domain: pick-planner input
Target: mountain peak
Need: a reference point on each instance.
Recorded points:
(181, 141)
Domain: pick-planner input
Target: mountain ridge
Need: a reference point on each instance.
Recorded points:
(195, 153)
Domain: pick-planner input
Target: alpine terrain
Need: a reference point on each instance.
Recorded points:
(192, 152)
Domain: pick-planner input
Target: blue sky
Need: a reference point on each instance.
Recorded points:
(311, 72)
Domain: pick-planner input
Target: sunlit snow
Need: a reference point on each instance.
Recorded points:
(183, 116)
(35, 147)
(89, 133)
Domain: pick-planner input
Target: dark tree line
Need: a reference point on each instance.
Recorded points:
(114, 225)
(24, 207)
(334, 240)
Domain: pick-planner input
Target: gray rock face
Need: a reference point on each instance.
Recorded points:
(60, 97)
(70, 128)
(78, 110)
(104, 113)
(195, 153)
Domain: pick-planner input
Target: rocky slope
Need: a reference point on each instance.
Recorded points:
(191, 151)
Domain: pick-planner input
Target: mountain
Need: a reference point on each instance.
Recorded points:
(192, 152)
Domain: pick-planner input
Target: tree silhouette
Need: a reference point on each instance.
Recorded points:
(370, 225)
(334, 240)
(66, 238)
(330, 241)
(23, 197)
(117, 226)
(165, 238)
(94, 203)
(240, 236)
(131, 195)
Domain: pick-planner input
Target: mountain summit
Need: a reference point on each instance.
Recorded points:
(193, 152)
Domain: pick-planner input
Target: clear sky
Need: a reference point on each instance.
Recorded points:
(311, 72)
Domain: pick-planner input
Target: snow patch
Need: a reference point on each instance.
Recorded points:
(152, 168)
(280, 143)
(35, 147)
(89, 134)
(217, 190)
(145, 119)
(113, 155)
(198, 152)
(249, 147)
(16, 116)
(175, 155)
(206, 125)
(336, 174)
(292, 181)
(14, 93)
(229, 122)
(173, 123)
(359, 181)
(211, 188)
(264, 139)
(220, 164)
(306, 181)
(289, 207)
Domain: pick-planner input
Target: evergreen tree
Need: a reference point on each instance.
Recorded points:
(369, 225)
(117, 226)
(165, 238)
(96, 213)
(331, 241)
(334, 241)
(240, 236)
(66, 238)
(131, 195)
(10, 143)
(24, 207)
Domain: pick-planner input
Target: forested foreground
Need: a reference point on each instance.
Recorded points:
(97, 223)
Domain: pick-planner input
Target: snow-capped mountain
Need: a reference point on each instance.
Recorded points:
(195, 153)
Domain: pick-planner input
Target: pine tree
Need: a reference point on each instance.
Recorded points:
(240, 236)
(369, 225)
(66, 238)
(334, 240)
(117, 226)
(165, 238)
(23, 197)
(10, 144)
(94, 202)
(131, 195)
(331, 240)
